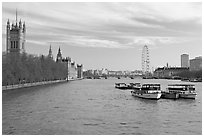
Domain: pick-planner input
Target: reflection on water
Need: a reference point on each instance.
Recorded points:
(96, 107)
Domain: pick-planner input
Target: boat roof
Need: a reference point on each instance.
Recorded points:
(181, 85)
(151, 84)
(119, 83)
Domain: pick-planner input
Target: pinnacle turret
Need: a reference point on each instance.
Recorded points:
(24, 27)
(20, 24)
(8, 23)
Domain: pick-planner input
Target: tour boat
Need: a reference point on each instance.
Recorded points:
(148, 91)
(186, 91)
(134, 85)
(121, 86)
(127, 86)
(172, 92)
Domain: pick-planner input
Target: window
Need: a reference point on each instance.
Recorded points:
(16, 44)
(11, 44)
(23, 45)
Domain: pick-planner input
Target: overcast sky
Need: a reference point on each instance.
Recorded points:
(110, 35)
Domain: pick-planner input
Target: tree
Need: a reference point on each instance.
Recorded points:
(18, 68)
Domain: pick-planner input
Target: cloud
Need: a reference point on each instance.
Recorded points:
(107, 25)
(155, 42)
(167, 11)
(36, 42)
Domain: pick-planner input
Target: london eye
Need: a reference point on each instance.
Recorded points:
(145, 60)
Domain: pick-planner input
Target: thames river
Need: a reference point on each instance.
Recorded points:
(96, 107)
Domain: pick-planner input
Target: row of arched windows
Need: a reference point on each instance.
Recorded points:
(14, 44)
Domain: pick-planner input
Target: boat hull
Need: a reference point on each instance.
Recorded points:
(170, 95)
(127, 87)
(154, 96)
(122, 87)
(188, 96)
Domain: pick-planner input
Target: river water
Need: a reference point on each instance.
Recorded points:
(96, 107)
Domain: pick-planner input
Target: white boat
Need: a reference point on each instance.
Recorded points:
(186, 90)
(134, 86)
(148, 91)
(121, 86)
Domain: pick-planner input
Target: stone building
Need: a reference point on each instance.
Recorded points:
(15, 36)
(168, 72)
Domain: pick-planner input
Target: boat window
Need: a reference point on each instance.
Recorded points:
(150, 87)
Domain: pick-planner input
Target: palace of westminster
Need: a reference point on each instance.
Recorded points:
(15, 43)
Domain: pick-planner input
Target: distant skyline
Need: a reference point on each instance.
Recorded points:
(110, 35)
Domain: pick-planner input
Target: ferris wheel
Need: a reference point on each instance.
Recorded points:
(145, 60)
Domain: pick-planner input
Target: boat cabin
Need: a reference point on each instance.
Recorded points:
(120, 84)
(150, 87)
(135, 84)
(181, 87)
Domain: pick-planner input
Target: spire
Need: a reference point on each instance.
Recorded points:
(59, 50)
(20, 24)
(16, 16)
(50, 52)
(12, 25)
(8, 22)
(16, 20)
(50, 48)
(59, 55)
(24, 27)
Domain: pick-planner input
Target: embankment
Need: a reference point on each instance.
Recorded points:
(25, 85)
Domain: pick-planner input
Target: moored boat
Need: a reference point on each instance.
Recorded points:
(121, 86)
(172, 92)
(148, 91)
(134, 85)
(127, 86)
(187, 91)
(169, 95)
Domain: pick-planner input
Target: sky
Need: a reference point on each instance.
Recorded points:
(110, 35)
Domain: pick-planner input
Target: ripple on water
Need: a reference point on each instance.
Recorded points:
(123, 123)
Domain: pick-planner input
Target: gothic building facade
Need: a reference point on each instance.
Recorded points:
(74, 71)
(15, 36)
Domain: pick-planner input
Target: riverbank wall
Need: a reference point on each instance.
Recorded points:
(75, 79)
(25, 85)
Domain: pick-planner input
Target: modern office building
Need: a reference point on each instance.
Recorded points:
(185, 61)
(196, 64)
(79, 71)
